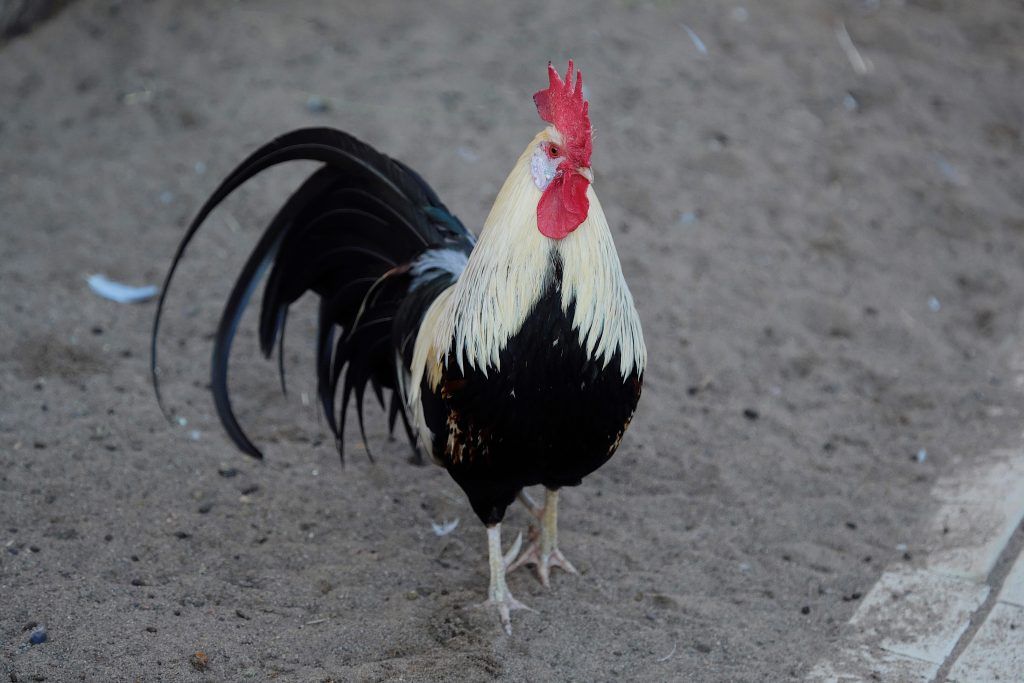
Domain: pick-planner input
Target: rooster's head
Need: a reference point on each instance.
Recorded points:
(561, 163)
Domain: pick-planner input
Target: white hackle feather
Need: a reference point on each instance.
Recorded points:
(434, 261)
(506, 274)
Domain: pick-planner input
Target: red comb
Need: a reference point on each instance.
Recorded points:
(562, 105)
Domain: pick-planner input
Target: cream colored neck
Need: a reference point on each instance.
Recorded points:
(508, 271)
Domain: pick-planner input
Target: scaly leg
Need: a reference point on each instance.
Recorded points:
(543, 553)
(498, 594)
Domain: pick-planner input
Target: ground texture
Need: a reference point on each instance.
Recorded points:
(826, 254)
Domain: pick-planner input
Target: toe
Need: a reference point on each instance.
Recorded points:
(529, 556)
(558, 560)
(543, 573)
(506, 619)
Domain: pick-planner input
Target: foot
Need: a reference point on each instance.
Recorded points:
(498, 594)
(505, 603)
(543, 552)
(542, 561)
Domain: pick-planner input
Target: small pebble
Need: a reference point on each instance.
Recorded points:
(751, 414)
(151, 629)
(227, 472)
(205, 508)
(921, 455)
(806, 609)
(38, 636)
(933, 304)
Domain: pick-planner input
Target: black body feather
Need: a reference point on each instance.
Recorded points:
(349, 234)
(551, 416)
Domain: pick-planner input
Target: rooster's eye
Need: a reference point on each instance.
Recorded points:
(553, 151)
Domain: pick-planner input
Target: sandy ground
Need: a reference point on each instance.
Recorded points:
(827, 263)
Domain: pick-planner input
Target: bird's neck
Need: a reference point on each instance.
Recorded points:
(511, 266)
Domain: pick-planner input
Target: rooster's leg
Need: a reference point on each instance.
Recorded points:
(543, 552)
(498, 594)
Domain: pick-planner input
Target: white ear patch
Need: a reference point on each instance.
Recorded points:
(543, 167)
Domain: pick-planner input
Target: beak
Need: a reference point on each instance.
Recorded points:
(586, 173)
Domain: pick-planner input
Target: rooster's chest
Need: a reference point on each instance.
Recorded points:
(551, 413)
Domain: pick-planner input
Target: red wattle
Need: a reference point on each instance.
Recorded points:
(563, 205)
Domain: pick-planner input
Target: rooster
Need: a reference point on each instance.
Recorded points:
(515, 359)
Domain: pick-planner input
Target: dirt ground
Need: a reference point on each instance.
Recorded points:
(827, 264)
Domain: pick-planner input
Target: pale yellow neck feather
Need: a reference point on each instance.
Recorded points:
(506, 275)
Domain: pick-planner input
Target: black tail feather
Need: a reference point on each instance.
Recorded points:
(332, 147)
(280, 353)
(324, 354)
(262, 256)
(349, 234)
(393, 409)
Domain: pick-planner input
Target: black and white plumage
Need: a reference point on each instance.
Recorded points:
(513, 361)
(552, 416)
(530, 374)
